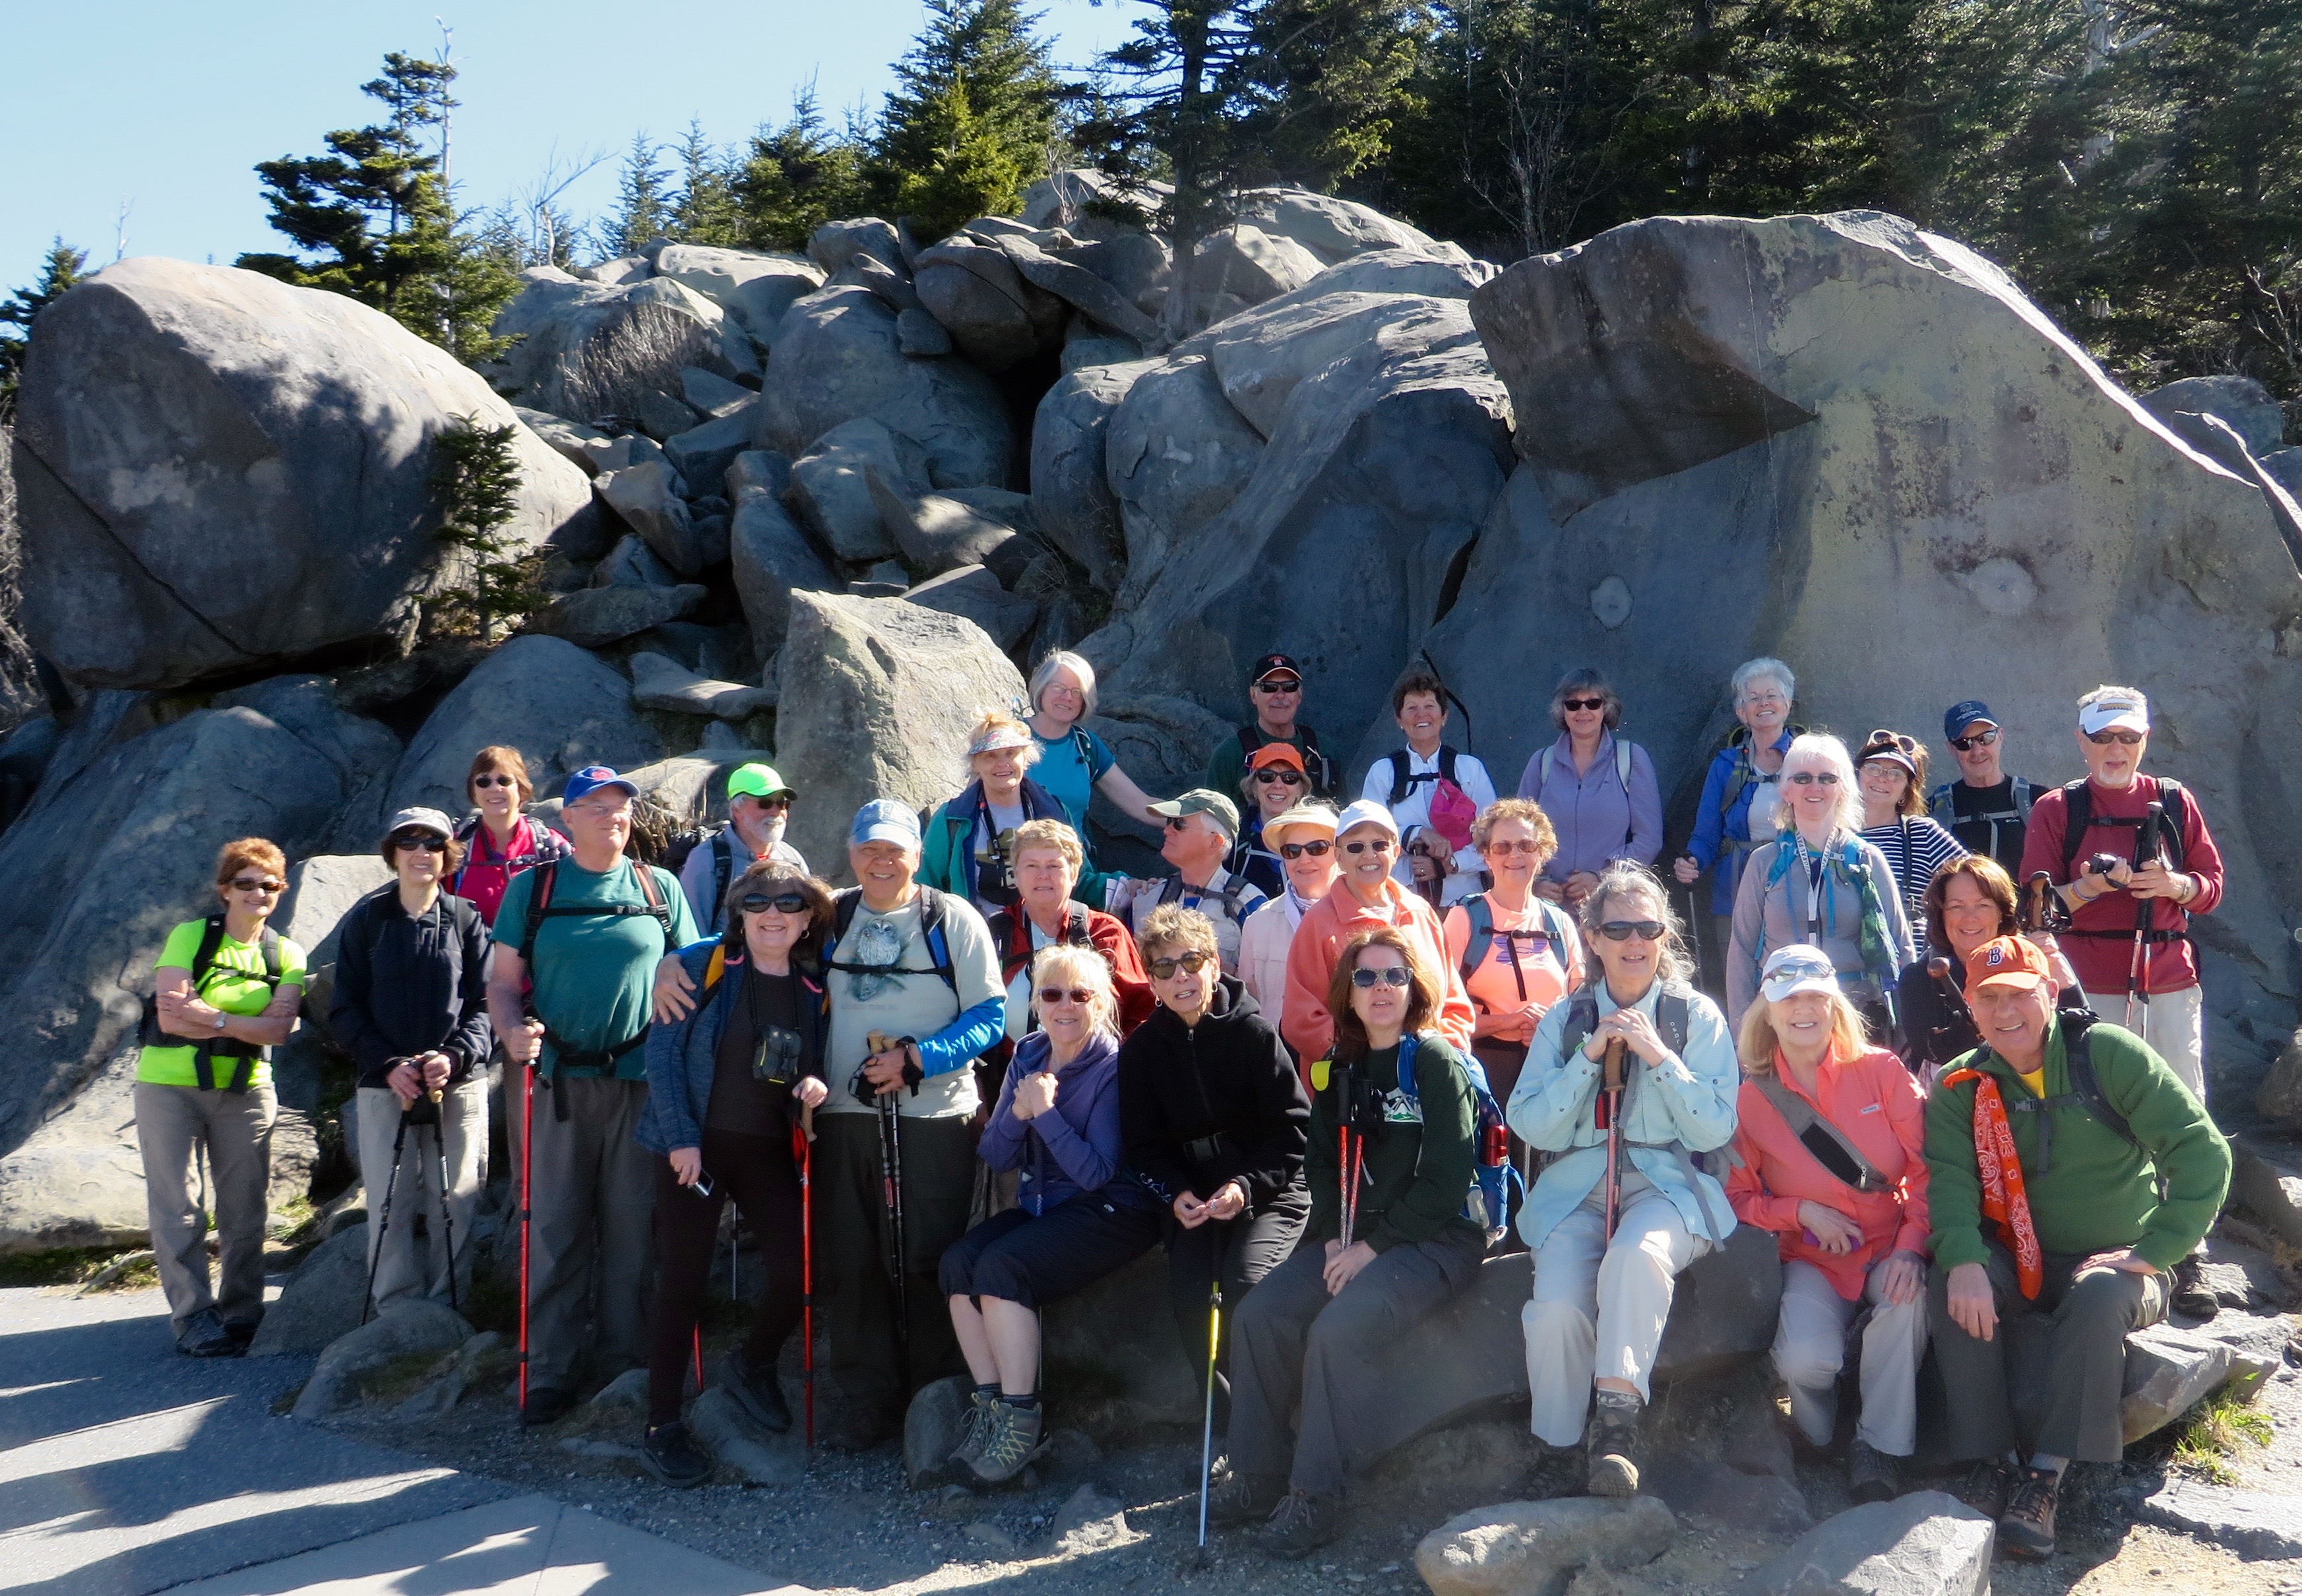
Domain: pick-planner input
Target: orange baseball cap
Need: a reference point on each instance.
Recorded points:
(2014, 961)
(1275, 753)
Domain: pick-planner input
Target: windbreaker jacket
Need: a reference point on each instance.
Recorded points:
(405, 986)
(1227, 1081)
(1075, 1146)
(682, 1056)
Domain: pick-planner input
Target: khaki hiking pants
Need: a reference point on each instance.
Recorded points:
(2172, 1023)
(175, 1125)
(404, 1267)
(1811, 1349)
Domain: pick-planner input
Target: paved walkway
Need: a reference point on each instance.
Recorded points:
(126, 1470)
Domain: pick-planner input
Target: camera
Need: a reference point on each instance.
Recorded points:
(2102, 864)
(775, 1059)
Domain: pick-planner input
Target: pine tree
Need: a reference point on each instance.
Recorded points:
(798, 178)
(972, 120)
(475, 481)
(642, 209)
(704, 211)
(60, 269)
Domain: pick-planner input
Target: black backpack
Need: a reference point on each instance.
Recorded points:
(2078, 800)
(933, 910)
(1316, 766)
(541, 907)
(205, 1053)
(1402, 784)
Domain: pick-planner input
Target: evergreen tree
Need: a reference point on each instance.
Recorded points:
(704, 211)
(60, 269)
(642, 208)
(475, 481)
(798, 178)
(972, 120)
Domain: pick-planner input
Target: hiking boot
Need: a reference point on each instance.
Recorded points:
(1871, 1476)
(759, 1395)
(2027, 1528)
(979, 1404)
(1613, 1448)
(1239, 1498)
(242, 1332)
(204, 1336)
(546, 1404)
(1303, 1521)
(1012, 1440)
(1988, 1485)
(669, 1453)
(2193, 1299)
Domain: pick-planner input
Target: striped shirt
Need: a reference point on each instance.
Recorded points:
(1915, 847)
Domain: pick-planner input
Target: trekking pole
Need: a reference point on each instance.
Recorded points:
(384, 1223)
(527, 1214)
(1208, 1425)
(447, 1216)
(1612, 1095)
(805, 1137)
(2137, 969)
(891, 1180)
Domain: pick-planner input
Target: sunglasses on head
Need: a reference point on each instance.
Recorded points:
(1318, 849)
(1581, 703)
(421, 839)
(1189, 964)
(1526, 845)
(1291, 778)
(1381, 845)
(1623, 930)
(1051, 995)
(2104, 739)
(1974, 740)
(257, 884)
(782, 902)
(1811, 778)
(485, 781)
(1394, 975)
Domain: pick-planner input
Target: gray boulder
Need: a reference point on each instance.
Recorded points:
(1332, 228)
(1176, 455)
(1071, 495)
(1243, 265)
(919, 335)
(878, 697)
(591, 350)
(975, 594)
(646, 498)
(2284, 467)
(831, 485)
(1071, 199)
(573, 440)
(834, 244)
(1403, 271)
(593, 618)
(712, 395)
(770, 556)
(837, 359)
(702, 455)
(2242, 403)
(321, 890)
(320, 1301)
(758, 1458)
(886, 282)
(624, 268)
(221, 475)
(2261, 1524)
(934, 1424)
(1259, 356)
(631, 563)
(661, 682)
(1929, 1543)
(2169, 1370)
(756, 471)
(406, 1326)
(935, 534)
(756, 289)
(661, 416)
(1080, 289)
(2279, 1099)
(1139, 264)
(991, 312)
(1535, 1549)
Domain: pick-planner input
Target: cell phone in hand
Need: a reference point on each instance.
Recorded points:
(701, 1185)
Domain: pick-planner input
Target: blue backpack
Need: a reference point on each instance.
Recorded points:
(1497, 1188)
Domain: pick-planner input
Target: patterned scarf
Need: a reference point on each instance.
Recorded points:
(1853, 872)
(2005, 1200)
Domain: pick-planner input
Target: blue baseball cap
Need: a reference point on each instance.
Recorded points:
(1960, 716)
(590, 779)
(884, 820)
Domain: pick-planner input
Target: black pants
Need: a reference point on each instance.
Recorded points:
(758, 1172)
(853, 1228)
(1238, 1252)
(1034, 1261)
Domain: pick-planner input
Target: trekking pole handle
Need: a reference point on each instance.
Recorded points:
(1613, 1063)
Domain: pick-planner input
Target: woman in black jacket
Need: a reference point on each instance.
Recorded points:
(411, 1007)
(1969, 900)
(1213, 1114)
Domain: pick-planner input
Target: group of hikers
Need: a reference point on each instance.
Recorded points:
(1949, 1057)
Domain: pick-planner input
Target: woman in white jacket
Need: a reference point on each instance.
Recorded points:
(1304, 837)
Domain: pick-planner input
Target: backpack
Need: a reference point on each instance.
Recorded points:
(541, 907)
(933, 908)
(471, 833)
(2077, 801)
(1744, 770)
(205, 1052)
(1832, 1148)
(1497, 1189)
(1482, 916)
(1622, 765)
(1228, 895)
(1015, 949)
(2086, 1093)
(1452, 810)
(1316, 766)
(1942, 805)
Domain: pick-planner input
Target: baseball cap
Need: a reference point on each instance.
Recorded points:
(1199, 800)
(590, 779)
(2014, 961)
(884, 820)
(758, 781)
(1795, 969)
(1963, 714)
(997, 735)
(1275, 665)
(1315, 817)
(1367, 811)
(420, 819)
(2128, 712)
(1275, 753)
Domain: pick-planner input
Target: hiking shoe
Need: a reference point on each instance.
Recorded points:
(1303, 1521)
(2027, 1528)
(2193, 1299)
(204, 1336)
(1239, 1498)
(1614, 1451)
(1871, 1476)
(979, 1404)
(759, 1395)
(669, 1453)
(243, 1332)
(1012, 1440)
(546, 1404)
(1988, 1485)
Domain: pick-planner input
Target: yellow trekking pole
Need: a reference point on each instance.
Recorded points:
(1208, 1428)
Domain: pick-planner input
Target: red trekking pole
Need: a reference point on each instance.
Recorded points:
(526, 1178)
(1610, 1107)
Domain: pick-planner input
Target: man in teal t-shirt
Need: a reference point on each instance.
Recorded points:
(607, 923)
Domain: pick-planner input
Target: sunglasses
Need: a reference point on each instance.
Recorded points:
(1524, 845)
(2104, 739)
(1318, 850)
(1291, 777)
(782, 902)
(1380, 845)
(264, 884)
(776, 804)
(1393, 976)
(1051, 995)
(1623, 930)
(1189, 964)
(1973, 740)
(485, 781)
(1811, 778)
(1287, 685)
(421, 839)
(1581, 703)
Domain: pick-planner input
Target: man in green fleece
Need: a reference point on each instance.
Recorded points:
(2069, 1170)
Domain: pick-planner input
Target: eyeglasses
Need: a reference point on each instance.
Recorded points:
(1811, 778)
(1379, 845)
(1189, 964)
(1623, 930)
(1292, 778)
(1394, 975)
(782, 902)
(1524, 845)
(776, 805)
(485, 781)
(1581, 703)
(421, 839)
(1975, 740)
(1051, 995)
(2104, 739)
(1318, 850)
(1279, 688)
(266, 883)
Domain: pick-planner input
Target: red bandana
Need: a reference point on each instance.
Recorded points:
(2005, 1198)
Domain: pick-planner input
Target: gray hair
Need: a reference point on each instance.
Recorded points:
(1764, 666)
(1063, 660)
(1821, 748)
(1064, 960)
(1623, 880)
(1577, 683)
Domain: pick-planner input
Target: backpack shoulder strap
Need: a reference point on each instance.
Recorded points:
(2178, 820)
(1075, 931)
(844, 904)
(2077, 814)
(1247, 742)
(1820, 1137)
(653, 894)
(723, 866)
(267, 941)
(1482, 917)
(539, 899)
(1939, 805)
(1670, 1019)
(934, 908)
(1447, 758)
(1398, 782)
(1623, 752)
(1543, 769)
(1582, 1019)
(2079, 1055)
(2026, 794)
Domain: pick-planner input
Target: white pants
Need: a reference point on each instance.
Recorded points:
(1811, 1348)
(405, 1270)
(1599, 1308)
(2172, 1023)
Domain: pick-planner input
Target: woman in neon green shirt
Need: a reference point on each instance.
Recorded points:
(225, 991)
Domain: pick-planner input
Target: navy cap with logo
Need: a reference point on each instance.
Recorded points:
(1960, 716)
(1274, 664)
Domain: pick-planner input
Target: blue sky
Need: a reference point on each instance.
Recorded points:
(164, 108)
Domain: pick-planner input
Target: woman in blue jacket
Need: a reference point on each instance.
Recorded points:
(1076, 1215)
(724, 1084)
(968, 846)
(1740, 791)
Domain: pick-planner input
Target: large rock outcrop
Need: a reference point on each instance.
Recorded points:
(1856, 446)
(591, 350)
(222, 475)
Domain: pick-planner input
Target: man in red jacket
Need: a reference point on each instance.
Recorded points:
(1363, 897)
